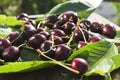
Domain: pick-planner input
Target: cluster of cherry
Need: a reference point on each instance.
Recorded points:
(53, 36)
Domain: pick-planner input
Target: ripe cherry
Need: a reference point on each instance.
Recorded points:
(40, 30)
(11, 54)
(69, 16)
(57, 32)
(81, 35)
(45, 33)
(32, 22)
(80, 44)
(109, 31)
(94, 39)
(36, 40)
(86, 23)
(4, 43)
(58, 25)
(57, 40)
(96, 27)
(62, 52)
(21, 16)
(12, 36)
(69, 27)
(80, 64)
(46, 46)
(29, 30)
(51, 20)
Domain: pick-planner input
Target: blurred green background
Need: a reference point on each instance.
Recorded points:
(32, 7)
(13, 7)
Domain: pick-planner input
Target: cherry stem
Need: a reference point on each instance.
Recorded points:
(51, 46)
(57, 62)
(22, 30)
(21, 45)
(71, 38)
(83, 34)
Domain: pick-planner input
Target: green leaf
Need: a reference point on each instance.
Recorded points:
(13, 67)
(28, 54)
(75, 5)
(10, 21)
(118, 34)
(98, 55)
(5, 30)
(96, 75)
(2, 18)
(116, 61)
(103, 61)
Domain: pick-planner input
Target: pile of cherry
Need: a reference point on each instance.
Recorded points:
(53, 36)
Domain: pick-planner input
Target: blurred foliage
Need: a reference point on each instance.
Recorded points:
(117, 17)
(13, 7)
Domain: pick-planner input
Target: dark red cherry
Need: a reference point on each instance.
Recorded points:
(69, 16)
(40, 30)
(29, 30)
(81, 35)
(57, 40)
(51, 20)
(109, 31)
(57, 32)
(11, 54)
(69, 27)
(45, 33)
(46, 46)
(95, 39)
(12, 36)
(96, 27)
(4, 43)
(36, 40)
(62, 52)
(58, 25)
(86, 23)
(32, 22)
(80, 64)
(20, 16)
(80, 44)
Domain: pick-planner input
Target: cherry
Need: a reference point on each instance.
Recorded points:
(109, 31)
(57, 40)
(45, 33)
(32, 22)
(40, 30)
(57, 32)
(4, 43)
(36, 40)
(12, 36)
(69, 16)
(69, 27)
(79, 36)
(62, 52)
(86, 23)
(80, 64)
(80, 44)
(94, 39)
(29, 30)
(51, 20)
(58, 25)
(46, 47)
(96, 27)
(20, 16)
(25, 19)
(11, 54)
